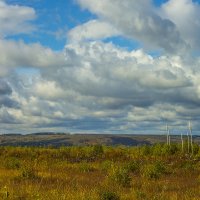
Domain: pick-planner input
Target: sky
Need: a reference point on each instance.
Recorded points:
(91, 66)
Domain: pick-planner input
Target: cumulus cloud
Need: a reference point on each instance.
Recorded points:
(48, 89)
(92, 30)
(139, 20)
(105, 88)
(15, 19)
(98, 86)
(185, 15)
(18, 54)
(99, 64)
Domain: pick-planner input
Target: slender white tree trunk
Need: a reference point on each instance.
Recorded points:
(182, 143)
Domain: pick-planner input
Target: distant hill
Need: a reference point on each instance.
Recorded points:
(66, 139)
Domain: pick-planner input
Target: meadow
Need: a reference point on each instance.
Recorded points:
(96, 172)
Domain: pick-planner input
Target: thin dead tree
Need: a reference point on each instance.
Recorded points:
(188, 142)
(182, 142)
(191, 139)
(168, 135)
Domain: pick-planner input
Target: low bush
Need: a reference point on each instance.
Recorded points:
(154, 171)
(120, 175)
(28, 171)
(106, 165)
(187, 165)
(85, 167)
(133, 167)
(108, 195)
(97, 150)
(12, 163)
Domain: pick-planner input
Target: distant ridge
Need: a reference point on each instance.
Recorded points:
(48, 133)
(67, 139)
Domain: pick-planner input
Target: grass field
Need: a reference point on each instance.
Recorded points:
(98, 172)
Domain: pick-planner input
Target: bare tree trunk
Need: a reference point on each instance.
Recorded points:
(182, 143)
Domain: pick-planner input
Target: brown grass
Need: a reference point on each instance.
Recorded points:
(80, 173)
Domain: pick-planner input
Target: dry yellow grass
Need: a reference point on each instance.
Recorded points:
(98, 173)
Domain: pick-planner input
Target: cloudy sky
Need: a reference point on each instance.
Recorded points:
(99, 66)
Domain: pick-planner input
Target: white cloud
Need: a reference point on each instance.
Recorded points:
(103, 87)
(15, 19)
(139, 20)
(92, 30)
(186, 15)
(18, 54)
(95, 85)
(100, 63)
(48, 90)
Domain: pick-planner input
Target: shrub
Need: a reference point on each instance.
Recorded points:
(154, 171)
(140, 195)
(197, 156)
(85, 167)
(187, 165)
(145, 150)
(163, 149)
(108, 195)
(166, 150)
(97, 150)
(12, 163)
(160, 167)
(150, 172)
(106, 165)
(133, 167)
(120, 175)
(173, 149)
(196, 148)
(28, 171)
(157, 149)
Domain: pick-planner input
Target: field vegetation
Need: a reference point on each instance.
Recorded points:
(157, 172)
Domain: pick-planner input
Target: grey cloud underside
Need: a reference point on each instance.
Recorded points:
(4, 88)
(5, 95)
(8, 102)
